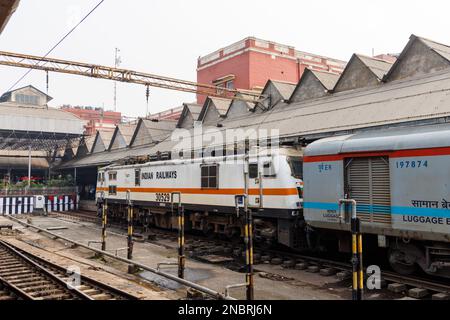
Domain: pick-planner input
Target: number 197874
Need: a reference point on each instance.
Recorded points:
(412, 164)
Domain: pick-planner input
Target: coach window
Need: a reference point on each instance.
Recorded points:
(253, 170)
(137, 177)
(210, 176)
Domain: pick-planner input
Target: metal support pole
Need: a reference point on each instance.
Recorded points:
(180, 218)
(104, 223)
(248, 227)
(357, 267)
(248, 239)
(29, 166)
(130, 231)
(360, 258)
(249, 254)
(181, 256)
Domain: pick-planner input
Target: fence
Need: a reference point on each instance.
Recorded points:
(23, 204)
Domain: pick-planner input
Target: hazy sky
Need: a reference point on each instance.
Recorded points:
(166, 37)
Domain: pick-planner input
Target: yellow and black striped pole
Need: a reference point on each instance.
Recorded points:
(361, 267)
(180, 217)
(355, 260)
(104, 222)
(249, 254)
(181, 257)
(357, 251)
(130, 231)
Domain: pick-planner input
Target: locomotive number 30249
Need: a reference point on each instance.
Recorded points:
(163, 197)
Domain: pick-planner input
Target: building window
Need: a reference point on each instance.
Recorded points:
(27, 99)
(230, 84)
(137, 177)
(112, 190)
(112, 176)
(219, 88)
(210, 179)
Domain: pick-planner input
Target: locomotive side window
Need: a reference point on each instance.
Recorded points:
(296, 165)
(210, 176)
(253, 170)
(137, 177)
(112, 190)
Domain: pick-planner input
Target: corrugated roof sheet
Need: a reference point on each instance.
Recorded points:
(439, 48)
(127, 131)
(284, 88)
(327, 79)
(221, 104)
(159, 130)
(377, 66)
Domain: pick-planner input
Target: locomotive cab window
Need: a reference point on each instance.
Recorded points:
(253, 170)
(296, 165)
(210, 179)
(137, 177)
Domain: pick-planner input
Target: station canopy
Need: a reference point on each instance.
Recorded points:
(38, 129)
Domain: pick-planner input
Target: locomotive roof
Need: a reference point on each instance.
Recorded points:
(383, 140)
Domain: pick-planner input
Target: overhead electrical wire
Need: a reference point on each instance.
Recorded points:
(57, 44)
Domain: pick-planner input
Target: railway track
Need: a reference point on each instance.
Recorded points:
(198, 246)
(29, 277)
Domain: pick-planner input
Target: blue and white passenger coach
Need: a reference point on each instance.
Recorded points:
(400, 179)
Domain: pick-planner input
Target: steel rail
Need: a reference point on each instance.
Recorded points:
(84, 280)
(169, 276)
(45, 271)
(15, 290)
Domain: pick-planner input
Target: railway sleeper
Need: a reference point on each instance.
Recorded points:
(49, 293)
(13, 273)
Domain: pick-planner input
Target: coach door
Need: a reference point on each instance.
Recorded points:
(368, 182)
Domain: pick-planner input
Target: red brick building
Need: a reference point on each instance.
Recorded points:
(251, 62)
(96, 118)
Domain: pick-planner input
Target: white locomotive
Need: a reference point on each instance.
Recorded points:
(208, 187)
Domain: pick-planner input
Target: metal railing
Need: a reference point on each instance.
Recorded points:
(46, 191)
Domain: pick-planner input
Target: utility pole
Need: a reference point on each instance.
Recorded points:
(117, 62)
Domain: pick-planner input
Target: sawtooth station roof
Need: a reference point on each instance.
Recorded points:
(370, 94)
